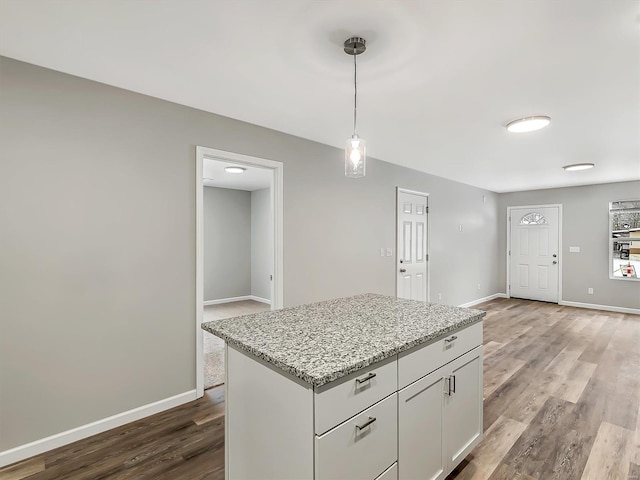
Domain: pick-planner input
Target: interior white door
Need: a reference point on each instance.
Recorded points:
(534, 260)
(411, 245)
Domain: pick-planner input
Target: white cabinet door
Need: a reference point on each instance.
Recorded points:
(463, 406)
(420, 428)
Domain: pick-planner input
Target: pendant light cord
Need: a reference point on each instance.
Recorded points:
(355, 90)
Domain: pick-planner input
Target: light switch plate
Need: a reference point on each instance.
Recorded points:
(574, 249)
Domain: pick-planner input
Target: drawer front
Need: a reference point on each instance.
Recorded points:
(342, 399)
(349, 452)
(390, 473)
(418, 362)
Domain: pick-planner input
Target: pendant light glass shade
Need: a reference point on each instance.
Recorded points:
(355, 157)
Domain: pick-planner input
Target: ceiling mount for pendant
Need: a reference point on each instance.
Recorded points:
(355, 45)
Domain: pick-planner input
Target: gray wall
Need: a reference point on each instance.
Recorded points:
(261, 243)
(97, 242)
(227, 243)
(585, 224)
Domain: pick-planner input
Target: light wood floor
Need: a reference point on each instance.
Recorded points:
(562, 401)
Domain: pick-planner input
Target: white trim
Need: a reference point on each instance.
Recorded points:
(260, 299)
(560, 255)
(609, 308)
(277, 209)
(484, 299)
(28, 450)
(199, 271)
(428, 215)
(227, 300)
(237, 299)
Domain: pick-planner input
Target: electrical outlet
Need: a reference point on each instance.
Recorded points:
(389, 252)
(478, 286)
(439, 296)
(460, 227)
(590, 291)
(382, 252)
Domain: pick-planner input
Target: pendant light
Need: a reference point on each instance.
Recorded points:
(355, 153)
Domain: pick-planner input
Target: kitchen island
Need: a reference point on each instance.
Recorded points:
(365, 387)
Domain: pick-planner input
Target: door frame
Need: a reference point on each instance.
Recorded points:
(560, 251)
(400, 190)
(277, 208)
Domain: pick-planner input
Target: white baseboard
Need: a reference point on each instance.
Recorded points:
(64, 438)
(593, 306)
(227, 300)
(482, 300)
(237, 299)
(261, 300)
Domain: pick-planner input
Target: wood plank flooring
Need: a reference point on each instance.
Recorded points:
(562, 401)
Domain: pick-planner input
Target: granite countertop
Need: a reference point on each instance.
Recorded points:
(324, 341)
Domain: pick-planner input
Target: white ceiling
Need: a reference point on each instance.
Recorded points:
(438, 82)
(253, 178)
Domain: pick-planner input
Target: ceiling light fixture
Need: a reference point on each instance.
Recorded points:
(234, 169)
(355, 154)
(528, 124)
(578, 166)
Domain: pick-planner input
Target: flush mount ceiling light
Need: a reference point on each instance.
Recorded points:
(578, 166)
(234, 169)
(355, 154)
(528, 124)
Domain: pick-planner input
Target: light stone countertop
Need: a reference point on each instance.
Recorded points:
(324, 341)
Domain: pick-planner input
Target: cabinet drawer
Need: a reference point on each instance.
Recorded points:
(339, 400)
(360, 453)
(390, 473)
(419, 361)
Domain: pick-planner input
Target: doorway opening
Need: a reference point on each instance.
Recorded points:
(534, 244)
(238, 247)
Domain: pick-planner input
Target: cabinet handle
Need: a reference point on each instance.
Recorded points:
(366, 424)
(453, 390)
(365, 379)
(447, 390)
(450, 339)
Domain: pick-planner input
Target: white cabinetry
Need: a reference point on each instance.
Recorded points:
(361, 448)
(414, 415)
(420, 428)
(463, 407)
(440, 415)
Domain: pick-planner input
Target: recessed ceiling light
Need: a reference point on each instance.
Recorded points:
(528, 124)
(578, 166)
(234, 169)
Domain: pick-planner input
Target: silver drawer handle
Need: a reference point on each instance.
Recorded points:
(450, 339)
(366, 424)
(365, 379)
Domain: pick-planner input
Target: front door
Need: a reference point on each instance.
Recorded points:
(411, 246)
(534, 260)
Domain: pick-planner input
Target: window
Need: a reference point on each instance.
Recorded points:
(533, 218)
(624, 239)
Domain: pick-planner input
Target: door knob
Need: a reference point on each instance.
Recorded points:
(554, 255)
(402, 270)
(554, 262)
